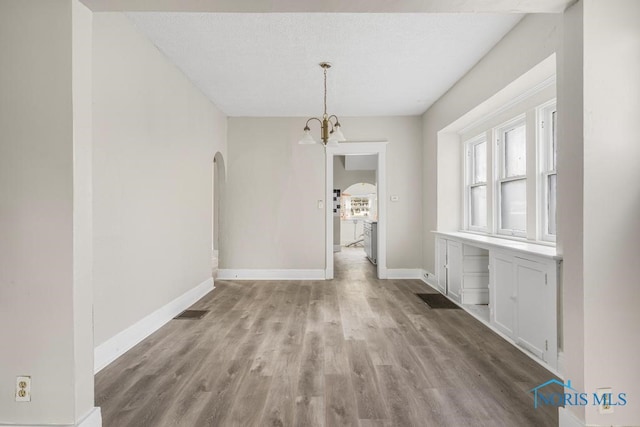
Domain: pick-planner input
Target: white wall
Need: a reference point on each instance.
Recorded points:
(535, 38)
(274, 185)
(45, 257)
(570, 194)
(343, 178)
(155, 136)
(612, 204)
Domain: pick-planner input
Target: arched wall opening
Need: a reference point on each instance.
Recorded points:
(219, 179)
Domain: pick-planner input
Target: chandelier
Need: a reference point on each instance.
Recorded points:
(329, 137)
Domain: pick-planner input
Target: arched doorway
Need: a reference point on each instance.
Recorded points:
(358, 203)
(219, 177)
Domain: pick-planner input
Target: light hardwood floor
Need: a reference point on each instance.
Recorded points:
(354, 351)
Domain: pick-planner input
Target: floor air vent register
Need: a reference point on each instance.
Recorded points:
(192, 314)
(436, 301)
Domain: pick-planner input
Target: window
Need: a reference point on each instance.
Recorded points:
(476, 194)
(548, 161)
(509, 173)
(512, 179)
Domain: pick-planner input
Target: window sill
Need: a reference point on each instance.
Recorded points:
(487, 241)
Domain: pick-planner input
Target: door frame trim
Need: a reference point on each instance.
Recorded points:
(346, 148)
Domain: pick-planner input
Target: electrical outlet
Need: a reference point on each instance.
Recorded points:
(23, 389)
(604, 396)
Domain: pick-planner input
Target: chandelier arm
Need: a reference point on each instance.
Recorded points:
(306, 126)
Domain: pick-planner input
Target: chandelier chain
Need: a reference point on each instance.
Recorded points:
(325, 92)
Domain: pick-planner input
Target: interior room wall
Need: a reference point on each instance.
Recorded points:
(612, 204)
(570, 198)
(274, 185)
(343, 178)
(535, 38)
(45, 256)
(155, 136)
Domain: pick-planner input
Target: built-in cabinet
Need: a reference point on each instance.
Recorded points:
(462, 271)
(449, 261)
(519, 282)
(524, 303)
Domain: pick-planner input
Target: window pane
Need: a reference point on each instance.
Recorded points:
(479, 206)
(515, 152)
(480, 162)
(554, 134)
(551, 204)
(513, 201)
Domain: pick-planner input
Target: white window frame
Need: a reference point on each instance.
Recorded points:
(500, 172)
(470, 183)
(545, 165)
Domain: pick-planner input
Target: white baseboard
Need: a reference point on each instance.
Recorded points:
(226, 274)
(428, 278)
(92, 419)
(404, 273)
(567, 419)
(117, 345)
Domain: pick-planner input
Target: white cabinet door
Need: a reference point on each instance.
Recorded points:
(441, 267)
(454, 269)
(537, 313)
(503, 293)
(531, 305)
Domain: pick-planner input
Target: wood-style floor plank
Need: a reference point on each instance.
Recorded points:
(352, 351)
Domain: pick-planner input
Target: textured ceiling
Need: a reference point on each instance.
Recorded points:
(253, 64)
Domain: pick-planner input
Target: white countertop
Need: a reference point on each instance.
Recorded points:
(488, 242)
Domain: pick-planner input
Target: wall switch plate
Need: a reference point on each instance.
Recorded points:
(606, 407)
(395, 198)
(23, 389)
(320, 204)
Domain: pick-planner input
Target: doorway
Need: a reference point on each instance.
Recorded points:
(218, 200)
(376, 152)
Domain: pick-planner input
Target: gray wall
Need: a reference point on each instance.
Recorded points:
(272, 218)
(45, 211)
(610, 200)
(155, 137)
(343, 178)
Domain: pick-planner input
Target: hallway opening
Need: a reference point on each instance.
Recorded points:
(219, 177)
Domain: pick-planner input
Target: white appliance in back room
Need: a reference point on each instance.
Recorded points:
(371, 240)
